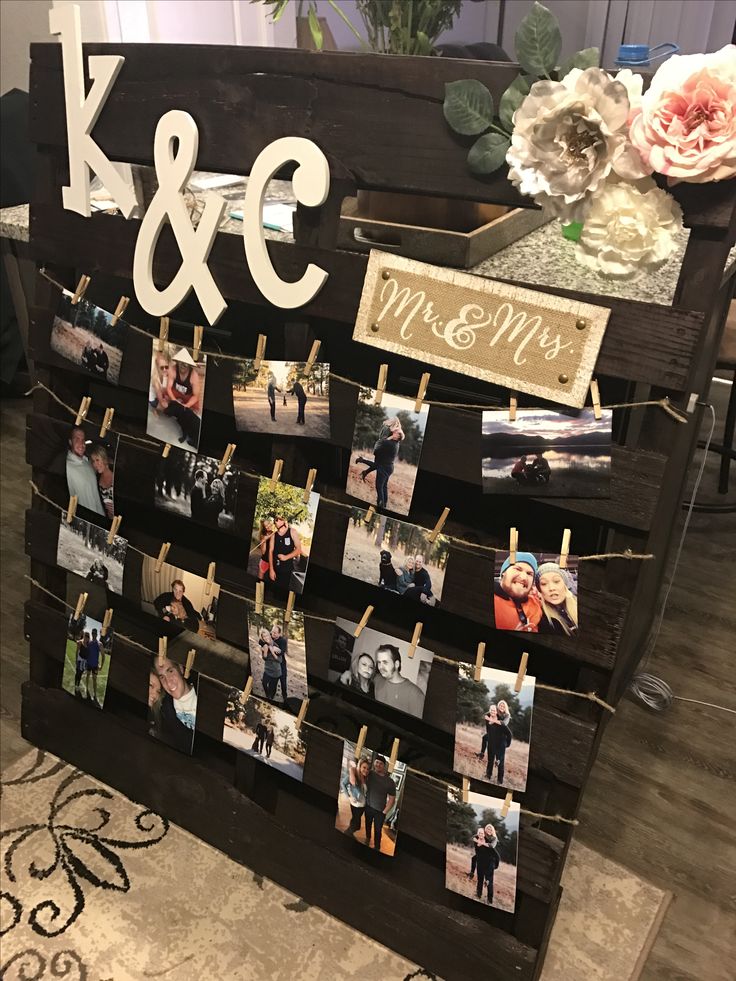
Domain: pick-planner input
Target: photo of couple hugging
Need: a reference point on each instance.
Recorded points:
(176, 396)
(90, 462)
(278, 660)
(535, 594)
(87, 660)
(172, 704)
(369, 799)
(283, 526)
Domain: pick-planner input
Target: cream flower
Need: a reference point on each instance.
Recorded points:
(686, 127)
(628, 231)
(568, 137)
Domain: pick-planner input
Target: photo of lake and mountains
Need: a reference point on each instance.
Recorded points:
(546, 453)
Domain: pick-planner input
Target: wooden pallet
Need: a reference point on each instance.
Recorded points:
(242, 99)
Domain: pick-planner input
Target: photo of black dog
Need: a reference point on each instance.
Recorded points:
(387, 577)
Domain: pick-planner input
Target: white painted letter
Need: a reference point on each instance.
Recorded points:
(311, 183)
(82, 114)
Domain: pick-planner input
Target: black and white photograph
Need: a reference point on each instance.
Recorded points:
(280, 397)
(493, 726)
(83, 549)
(547, 453)
(378, 666)
(535, 594)
(283, 526)
(191, 486)
(396, 556)
(90, 469)
(262, 730)
(387, 445)
(82, 333)
(278, 657)
(172, 703)
(369, 799)
(482, 849)
(179, 598)
(87, 660)
(176, 396)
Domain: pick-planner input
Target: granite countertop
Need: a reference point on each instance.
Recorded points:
(541, 258)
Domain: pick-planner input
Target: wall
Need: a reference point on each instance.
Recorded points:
(20, 24)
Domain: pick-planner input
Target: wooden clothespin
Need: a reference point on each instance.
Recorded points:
(163, 332)
(162, 648)
(312, 358)
(245, 694)
(381, 386)
(360, 741)
(198, 332)
(302, 712)
(521, 672)
(71, 508)
(513, 544)
(260, 351)
(114, 529)
(226, 458)
(83, 410)
(191, 654)
(106, 622)
(479, 657)
(422, 391)
(363, 621)
(415, 637)
(394, 755)
(506, 804)
(289, 605)
(166, 450)
(106, 422)
(311, 477)
(119, 310)
(81, 289)
(513, 403)
(466, 789)
(439, 526)
(369, 513)
(210, 578)
(260, 589)
(565, 550)
(162, 555)
(596, 396)
(81, 603)
(278, 466)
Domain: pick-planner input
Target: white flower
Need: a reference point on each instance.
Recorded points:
(628, 231)
(568, 137)
(634, 85)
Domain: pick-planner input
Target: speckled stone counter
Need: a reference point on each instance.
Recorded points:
(14, 223)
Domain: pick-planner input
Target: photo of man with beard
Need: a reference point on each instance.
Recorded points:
(516, 604)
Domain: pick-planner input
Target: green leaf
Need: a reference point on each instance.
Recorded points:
(488, 153)
(468, 106)
(538, 41)
(512, 99)
(421, 44)
(587, 58)
(315, 29)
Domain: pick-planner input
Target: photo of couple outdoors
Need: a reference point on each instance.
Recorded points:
(176, 396)
(82, 333)
(546, 453)
(87, 660)
(278, 658)
(387, 445)
(370, 799)
(535, 594)
(396, 556)
(266, 732)
(192, 487)
(378, 666)
(172, 703)
(482, 849)
(493, 726)
(90, 466)
(82, 548)
(280, 397)
(283, 526)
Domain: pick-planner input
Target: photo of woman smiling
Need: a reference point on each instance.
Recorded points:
(534, 594)
(172, 710)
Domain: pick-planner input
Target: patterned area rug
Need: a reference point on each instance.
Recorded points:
(96, 888)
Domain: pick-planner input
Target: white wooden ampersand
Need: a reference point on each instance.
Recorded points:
(311, 182)
(173, 170)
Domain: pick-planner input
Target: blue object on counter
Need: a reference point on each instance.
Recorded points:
(642, 54)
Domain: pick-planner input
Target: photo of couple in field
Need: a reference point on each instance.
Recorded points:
(83, 334)
(282, 397)
(493, 726)
(268, 733)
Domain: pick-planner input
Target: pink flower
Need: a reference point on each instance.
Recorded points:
(686, 127)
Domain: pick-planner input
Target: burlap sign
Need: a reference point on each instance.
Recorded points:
(524, 340)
